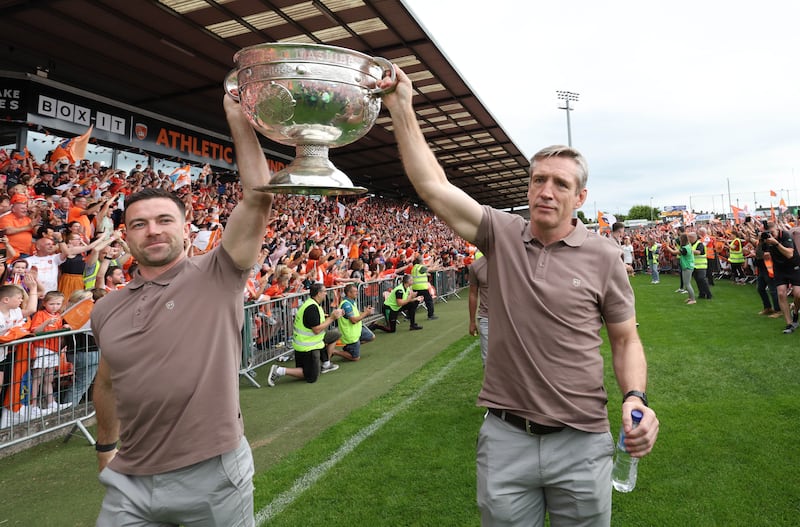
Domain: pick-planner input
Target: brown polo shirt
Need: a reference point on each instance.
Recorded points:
(174, 346)
(547, 305)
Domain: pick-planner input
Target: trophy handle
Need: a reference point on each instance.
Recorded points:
(232, 84)
(387, 67)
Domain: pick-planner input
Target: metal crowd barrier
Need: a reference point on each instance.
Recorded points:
(25, 415)
(266, 337)
(447, 282)
(268, 326)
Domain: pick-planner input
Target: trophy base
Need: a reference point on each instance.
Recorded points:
(311, 174)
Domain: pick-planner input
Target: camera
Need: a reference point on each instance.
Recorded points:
(765, 234)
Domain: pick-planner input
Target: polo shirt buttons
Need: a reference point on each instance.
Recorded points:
(139, 310)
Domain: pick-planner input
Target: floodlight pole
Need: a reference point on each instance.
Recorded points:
(567, 96)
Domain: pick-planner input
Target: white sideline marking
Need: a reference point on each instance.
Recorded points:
(307, 480)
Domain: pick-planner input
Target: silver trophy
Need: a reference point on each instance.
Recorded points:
(312, 97)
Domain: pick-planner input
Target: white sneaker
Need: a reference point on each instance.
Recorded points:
(273, 375)
(332, 367)
(33, 412)
(57, 407)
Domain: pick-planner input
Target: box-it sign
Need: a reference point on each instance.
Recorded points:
(81, 115)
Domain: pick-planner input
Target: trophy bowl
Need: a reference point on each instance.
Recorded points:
(313, 97)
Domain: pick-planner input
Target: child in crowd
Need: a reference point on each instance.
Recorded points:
(13, 325)
(47, 352)
(16, 272)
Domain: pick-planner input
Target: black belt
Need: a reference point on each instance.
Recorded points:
(523, 424)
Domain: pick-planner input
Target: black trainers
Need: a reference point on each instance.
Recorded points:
(432, 317)
(415, 326)
(789, 328)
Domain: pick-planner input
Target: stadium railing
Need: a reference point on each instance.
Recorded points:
(266, 337)
(19, 421)
(268, 325)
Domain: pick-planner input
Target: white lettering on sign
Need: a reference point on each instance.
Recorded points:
(110, 123)
(9, 99)
(81, 115)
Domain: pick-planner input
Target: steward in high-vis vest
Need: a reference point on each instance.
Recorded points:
(700, 267)
(401, 298)
(736, 258)
(351, 326)
(311, 342)
(651, 257)
(419, 274)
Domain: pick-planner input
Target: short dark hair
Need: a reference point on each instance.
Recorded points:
(315, 288)
(618, 226)
(110, 271)
(151, 193)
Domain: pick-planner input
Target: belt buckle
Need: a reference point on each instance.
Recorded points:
(529, 429)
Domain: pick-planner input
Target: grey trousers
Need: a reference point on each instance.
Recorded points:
(217, 492)
(521, 477)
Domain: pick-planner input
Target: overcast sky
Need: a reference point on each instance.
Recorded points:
(677, 98)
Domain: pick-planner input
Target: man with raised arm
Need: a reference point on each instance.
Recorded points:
(545, 445)
(167, 388)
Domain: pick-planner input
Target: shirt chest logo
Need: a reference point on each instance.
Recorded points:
(170, 305)
(576, 282)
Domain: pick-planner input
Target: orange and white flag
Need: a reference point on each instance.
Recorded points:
(72, 149)
(181, 177)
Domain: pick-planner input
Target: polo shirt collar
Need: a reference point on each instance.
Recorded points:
(163, 279)
(573, 239)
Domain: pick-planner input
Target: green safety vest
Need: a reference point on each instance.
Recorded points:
(736, 256)
(420, 282)
(700, 260)
(90, 275)
(304, 339)
(391, 300)
(653, 257)
(351, 332)
(687, 260)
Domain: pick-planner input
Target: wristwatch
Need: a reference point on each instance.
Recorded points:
(636, 393)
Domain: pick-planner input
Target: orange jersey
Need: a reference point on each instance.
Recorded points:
(22, 242)
(57, 322)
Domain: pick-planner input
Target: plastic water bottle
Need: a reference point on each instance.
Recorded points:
(623, 475)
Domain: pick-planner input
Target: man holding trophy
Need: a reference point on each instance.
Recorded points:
(170, 438)
(545, 445)
(170, 443)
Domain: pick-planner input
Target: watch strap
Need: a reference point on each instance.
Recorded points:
(636, 393)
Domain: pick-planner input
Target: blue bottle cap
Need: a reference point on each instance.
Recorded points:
(636, 415)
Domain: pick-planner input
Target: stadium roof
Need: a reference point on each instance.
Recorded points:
(171, 56)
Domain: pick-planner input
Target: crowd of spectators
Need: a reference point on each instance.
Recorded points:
(61, 228)
(718, 234)
(78, 207)
(62, 224)
(744, 252)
